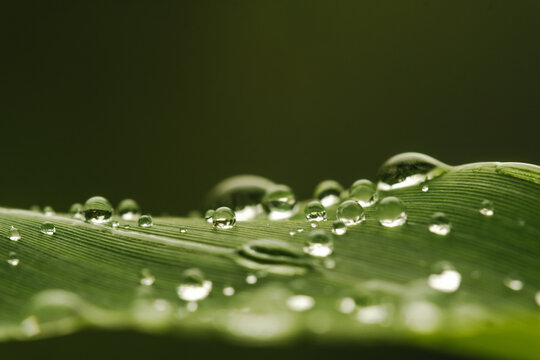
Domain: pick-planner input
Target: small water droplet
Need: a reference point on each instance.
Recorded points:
(292, 232)
(13, 234)
(315, 211)
(513, 284)
(35, 208)
(425, 188)
(319, 244)
(391, 212)
(537, 298)
(448, 280)
(194, 287)
(145, 221)
(115, 224)
(251, 279)
(97, 210)
(339, 227)
(279, 201)
(440, 224)
(228, 291)
(364, 192)
(128, 209)
(300, 303)
(487, 208)
(328, 192)
(421, 316)
(208, 215)
(183, 229)
(76, 211)
(147, 279)
(30, 326)
(346, 305)
(373, 314)
(329, 263)
(299, 230)
(13, 260)
(224, 218)
(192, 306)
(48, 211)
(48, 228)
(350, 213)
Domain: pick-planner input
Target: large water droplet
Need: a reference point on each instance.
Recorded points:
(315, 211)
(128, 209)
(224, 218)
(145, 221)
(391, 212)
(364, 192)
(328, 192)
(300, 303)
(194, 287)
(319, 244)
(97, 210)
(76, 211)
(48, 228)
(13, 260)
(339, 227)
(487, 208)
(280, 202)
(408, 169)
(440, 224)
(350, 213)
(13, 234)
(448, 280)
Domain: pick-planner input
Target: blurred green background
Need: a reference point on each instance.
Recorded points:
(161, 100)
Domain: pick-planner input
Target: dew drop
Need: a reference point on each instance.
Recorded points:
(13, 260)
(183, 229)
(251, 279)
(391, 212)
(328, 192)
(487, 208)
(319, 244)
(228, 291)
(364, 192)
(292, 232)
(147, 279)
(194, 287)
(115, 224)
(192, 306)
(224, 218)
(373, 314)
(145, 221)
(425, 188)
(513, 284)
(76, 211)
(97, 210)
(279, 201)
(48, 228)
(35, 208)
(448, 280)
(440, 224)
(208, 215)
(300, 303)
(13, 234)
(339, 227)
(128, 209)
(48, 211)
(350, 213)
(346, 305)
(422, 316)
(315, 211)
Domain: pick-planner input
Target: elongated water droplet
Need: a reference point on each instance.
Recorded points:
(97, 210)
(13, 260)
(319, 244)
(279, 201)
(328, 192)
(300, 303)
(48, 228)
(364, 192)
(350, 213)
(448, 280)
(315, 211)
(48, 211)
(228, 291)
(339, 227)
(440, 224)
(145, 221)
(487, 208)
(391, 212)
(13, 234)
(76, 211)
(147, 279)
(513, 284)
(128, 209)
(194, 287)
(408, 169)
(208, 215)
(224, 218)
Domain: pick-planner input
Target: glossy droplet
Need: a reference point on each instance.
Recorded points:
(364, 192)
(448, 280)
(300, 303)
(513, 284)
(315, 211)
(440, 224)
(487, 208)
(97, 210)
(408, 169)
(346, 305)
(48, 228)
(224, 218)
(13, 234)
(339, 227)
(115, 224)
(208, 215)
(279, 201)
(373, 314)
(13, 260)
(194, 287)
(328, 192)
(147, 279)
(319, 244)
(145, 221)
(391, 212)
(76, 211)
(251, 279)
(128, 209)
(228, 291)
(350, 213)
(421, 316)
(425, 188)
(183, 229)
(48, 211)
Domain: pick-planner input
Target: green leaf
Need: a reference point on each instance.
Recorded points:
(88, 276)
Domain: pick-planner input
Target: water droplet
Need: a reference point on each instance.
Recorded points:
(224, 218)
(364, 192)
(328, 192)
(292, 232)
(425, 188)
(299, 230)
(145, 221)
(319, 244)
(194, 286)
(13, 234)
(315, 211)
(48, 228)
(115, 224)
(228, 291)
(76, 211)
(128, 209)
(391, 212)
(48, 211)
(350, 213)
(373, 314)
(408, 169)
(421, 316)
(347, 305)
(251, 279)
(35, 208)
(208, 215)
(192, 306)
(339, 227)
(300, 303)
(537, 298)
(487, 208)
(329, 263)
(97, 210)
(513, 284)
(280, 202)
(183, 229)
(147, 279)
(13, 260)
(440, 224)
(30, 326)
(448, 280)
